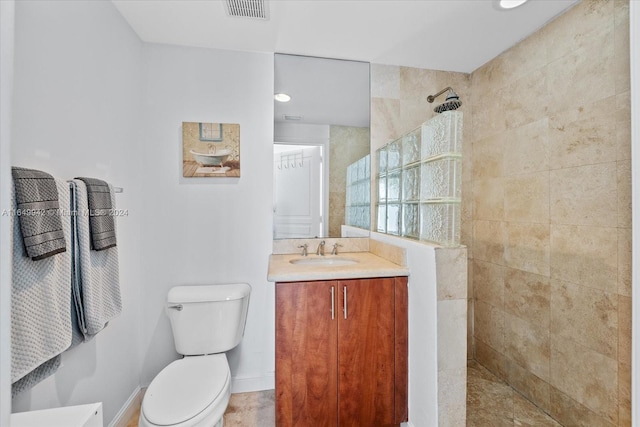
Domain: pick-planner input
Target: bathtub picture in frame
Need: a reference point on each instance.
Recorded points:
(210, 149)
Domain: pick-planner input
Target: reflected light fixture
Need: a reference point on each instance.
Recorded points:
(511, 4)
(282, 97)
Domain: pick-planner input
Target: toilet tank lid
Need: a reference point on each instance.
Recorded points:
(207, 293)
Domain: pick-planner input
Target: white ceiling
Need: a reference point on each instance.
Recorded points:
(452, 35)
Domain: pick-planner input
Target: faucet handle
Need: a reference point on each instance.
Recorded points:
(335, 248)
(304, 249)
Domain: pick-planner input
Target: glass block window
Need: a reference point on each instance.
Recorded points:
(358, 201)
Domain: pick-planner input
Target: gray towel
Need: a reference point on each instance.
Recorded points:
(96, 283)
(37, 207)
(103, 231)
(40, 306)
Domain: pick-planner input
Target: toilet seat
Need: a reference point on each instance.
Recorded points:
(185, 389)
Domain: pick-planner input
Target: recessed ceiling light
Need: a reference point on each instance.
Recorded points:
(282, 97)
(510, 4)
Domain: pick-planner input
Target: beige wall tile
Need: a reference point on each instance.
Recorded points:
(572, 78)
(385, 121)
(526, 198)
(451, 273)
(488, 115)
(571, 413)
(588, 25)
(583, 135)
(489, 325)
(621, 43)
(470, 349)
(624, 193)
(527, 247)
(487, 157)
(491, 359)
(526, 148)
(488, 241)
(527, 296)
(452, 390)
(624, 329)
(623, 125)
(585, 256)
(584, 195)
(624, 261)
(532, 387)
(452, 338)
(624, 394)
(526, 100)
(585, 315)
(385, 81)
(527, 344)
(488, 283)
(586, 376)
(488, 199)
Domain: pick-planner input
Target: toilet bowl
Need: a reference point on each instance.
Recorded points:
(190, 392)
(194, 391)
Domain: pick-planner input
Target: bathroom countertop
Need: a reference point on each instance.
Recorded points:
(368, 265)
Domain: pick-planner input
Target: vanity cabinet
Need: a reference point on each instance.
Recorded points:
(341, 353)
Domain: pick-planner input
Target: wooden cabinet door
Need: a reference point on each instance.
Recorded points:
(366, 352)
(306, 354)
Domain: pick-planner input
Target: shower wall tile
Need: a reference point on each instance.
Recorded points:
(527, 344)
(526, 149)
(624, 261)
(491, 359)
(621, 45)
(624, 394)
(387, 81)
(488, 283)
(488, 241)
(527, 247)
(487, 156)
(623, 125)
(528, 296)
(488, 199)
(624, 193)
(488, 115)
(489, 321)
(451, 273)
(588, 25)
(624, 329)
(571, 413)
(532, 387)
(587, 316)
(385, 127)
(587, 256)
(527, 99)
(572, 78)
(583, 135)
(526, 198)
(584, 195)
(585, 376)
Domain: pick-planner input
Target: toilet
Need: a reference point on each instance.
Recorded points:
(194, 391)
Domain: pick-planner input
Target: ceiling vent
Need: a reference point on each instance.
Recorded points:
(252, 9)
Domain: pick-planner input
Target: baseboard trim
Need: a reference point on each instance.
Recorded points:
(129, 408)
(247, 384)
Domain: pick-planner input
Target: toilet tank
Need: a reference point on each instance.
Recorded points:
(208, 319)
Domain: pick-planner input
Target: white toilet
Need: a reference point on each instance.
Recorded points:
(194, 391)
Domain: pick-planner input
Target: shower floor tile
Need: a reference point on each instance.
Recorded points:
(492, 402)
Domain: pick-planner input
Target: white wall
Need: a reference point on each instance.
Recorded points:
(208, 230)
(7, 15)
(77, 101)
(423, 329)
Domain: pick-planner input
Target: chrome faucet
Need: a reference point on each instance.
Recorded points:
(335, 248)
(320, 250)
(304, 249)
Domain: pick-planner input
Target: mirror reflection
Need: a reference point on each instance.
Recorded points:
(321, 127)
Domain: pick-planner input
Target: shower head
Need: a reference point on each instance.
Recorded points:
(451, 103)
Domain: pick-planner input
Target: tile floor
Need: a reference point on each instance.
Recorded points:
(490, 403)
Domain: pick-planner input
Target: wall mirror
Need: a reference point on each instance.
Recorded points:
(319, 131)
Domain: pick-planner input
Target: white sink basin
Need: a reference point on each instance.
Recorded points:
(322, 261)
